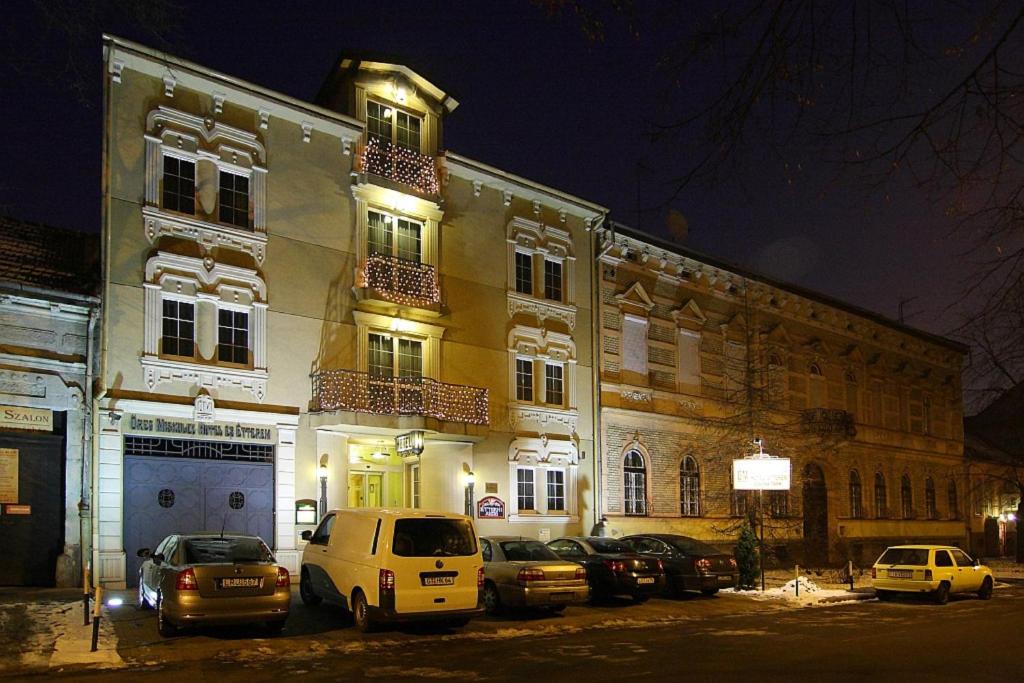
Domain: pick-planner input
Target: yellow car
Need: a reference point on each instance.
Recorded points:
(935, 569)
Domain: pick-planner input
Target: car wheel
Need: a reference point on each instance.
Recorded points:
(557, 609)
(985, 592)
(709, 591)
(941, 594)
(275, 627)
(492, 600)
(883, 596)
(140, 601)
(639, 598)
(458, 623)
(306, 591)
(361, 613)
(163, 626)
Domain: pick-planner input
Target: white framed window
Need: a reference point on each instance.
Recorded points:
(233, 335)
(555, 490)
(634, 483)
(689, 487)
(524, 380)
(552, 280)
(526, 489)
(524, 273)
(179, 328)
(233, 199)
(179, 184)
(554, 384)
(387, 123)
(393, 235)
(393, 356)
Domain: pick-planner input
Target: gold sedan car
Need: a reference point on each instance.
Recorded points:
(213, 579)
(937, 570)
(521, 572)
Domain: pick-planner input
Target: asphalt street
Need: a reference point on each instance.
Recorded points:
(718, 639)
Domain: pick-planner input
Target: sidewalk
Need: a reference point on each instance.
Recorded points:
(42, 629)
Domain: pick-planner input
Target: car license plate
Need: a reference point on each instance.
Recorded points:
(900, 573)
(724, 579)
(561, 597)
(438, 580)
(246, 582)
(645, 579)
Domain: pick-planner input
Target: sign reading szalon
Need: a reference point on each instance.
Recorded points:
(761, 474)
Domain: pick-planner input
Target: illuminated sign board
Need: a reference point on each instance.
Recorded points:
(761, 474)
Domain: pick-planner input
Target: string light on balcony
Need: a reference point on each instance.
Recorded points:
(347, 390)
(405, 282)
(402, 165)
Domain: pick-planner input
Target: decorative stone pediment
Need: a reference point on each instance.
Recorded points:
(543, 420)
(528, 451)
(540, 343)
(853, 354)
(690, 316)
(779, 336)
(635, 299)
(820, 348)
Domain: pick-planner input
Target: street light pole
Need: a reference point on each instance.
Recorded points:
(760, 554)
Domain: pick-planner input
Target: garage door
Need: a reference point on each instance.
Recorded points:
(32, 542)
(181, 486)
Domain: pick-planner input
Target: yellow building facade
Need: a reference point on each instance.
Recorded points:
(311, 306)
(697, 359)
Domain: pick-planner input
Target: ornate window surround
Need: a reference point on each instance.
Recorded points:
(542, 454)
(385, 200)
(553, 244)
(193, 138)
(536, 344)
(186, 278)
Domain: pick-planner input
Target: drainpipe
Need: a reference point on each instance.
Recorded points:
(595, 368)
(85, 501)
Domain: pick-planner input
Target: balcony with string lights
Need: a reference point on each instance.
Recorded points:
(409, 169)
(400, 402)
(386, 282)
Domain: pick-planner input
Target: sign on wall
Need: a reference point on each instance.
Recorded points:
(8, 475)
(212, 431)
(17, 417)
(761, 474)
(490, 507)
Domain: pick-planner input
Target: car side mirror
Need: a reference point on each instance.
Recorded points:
(306, 535)
(143, 553)
(977, 562)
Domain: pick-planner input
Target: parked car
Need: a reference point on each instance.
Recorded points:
(213, 579)
(937, 570)
(395, 566)
(612, 567)
(520, 572)
(689, 564)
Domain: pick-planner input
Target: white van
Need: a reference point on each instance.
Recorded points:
(394, 565)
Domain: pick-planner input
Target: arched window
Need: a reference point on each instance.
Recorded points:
(634, 482)
(689, 488)
(856, 510)
(815, 387)
(929, 499)
(881, 504)
(954, 505)
(906, 498)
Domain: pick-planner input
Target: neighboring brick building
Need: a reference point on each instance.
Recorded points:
(698, 358)
(48, 307)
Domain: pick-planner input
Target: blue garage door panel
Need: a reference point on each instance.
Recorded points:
(165, 495)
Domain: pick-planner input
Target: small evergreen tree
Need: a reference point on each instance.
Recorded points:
(746, 557)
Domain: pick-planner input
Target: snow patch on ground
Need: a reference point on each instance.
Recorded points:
(801, 592)
(59, 639)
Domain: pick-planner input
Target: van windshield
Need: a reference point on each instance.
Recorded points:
(433, 538)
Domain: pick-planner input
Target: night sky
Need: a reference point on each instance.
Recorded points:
(537, 98)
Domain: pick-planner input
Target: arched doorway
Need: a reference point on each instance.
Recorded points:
(815, 496)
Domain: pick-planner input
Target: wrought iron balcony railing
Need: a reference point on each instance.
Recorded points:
(362, 392)
(406, 282)
(828, 422)
(401, 165)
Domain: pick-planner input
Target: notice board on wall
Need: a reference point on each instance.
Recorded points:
(8, 475)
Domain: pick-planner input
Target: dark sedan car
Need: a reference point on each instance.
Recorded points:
(612, 567)
(689, 564)
(213, 579)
